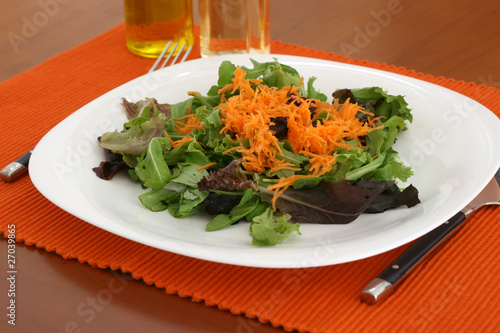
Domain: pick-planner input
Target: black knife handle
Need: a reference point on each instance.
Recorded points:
(385, 283)
(16, 168)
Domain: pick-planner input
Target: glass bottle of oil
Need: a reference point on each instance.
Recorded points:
(151, 24)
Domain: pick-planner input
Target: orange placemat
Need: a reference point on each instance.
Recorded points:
(455, 292)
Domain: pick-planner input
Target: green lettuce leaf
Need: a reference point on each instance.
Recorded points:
(152, 170)
(136, 138)
(237, 213)
(270, 228)
(384, 105)
(312, 92)
(157, 200)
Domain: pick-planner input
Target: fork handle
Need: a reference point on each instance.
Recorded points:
(399, 269)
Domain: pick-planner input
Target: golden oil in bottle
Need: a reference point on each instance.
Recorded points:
(151, 24)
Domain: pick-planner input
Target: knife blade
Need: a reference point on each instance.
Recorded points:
(387, 281)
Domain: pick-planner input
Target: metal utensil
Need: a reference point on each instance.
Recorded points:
(16, 169)
(382, 286)
(20, 166)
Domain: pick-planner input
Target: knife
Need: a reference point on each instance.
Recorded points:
(16, 169)
(384, 284)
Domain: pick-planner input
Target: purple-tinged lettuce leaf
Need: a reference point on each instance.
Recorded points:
(135, 139)
(216, 203)
(327, 203)
(391, 198)
(133, 110)
(112, 164)
(230, 178)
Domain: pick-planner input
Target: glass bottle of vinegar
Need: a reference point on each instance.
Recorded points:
(234, 26)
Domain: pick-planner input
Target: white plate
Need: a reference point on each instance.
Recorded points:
(452, 145)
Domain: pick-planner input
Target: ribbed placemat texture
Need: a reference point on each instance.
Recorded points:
(457, 291)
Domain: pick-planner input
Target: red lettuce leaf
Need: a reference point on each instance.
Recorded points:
(135, 109)
(391, 198)
(230, 178)
(327, 203)
(112, 164)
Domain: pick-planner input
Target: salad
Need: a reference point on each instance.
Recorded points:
(264, 147)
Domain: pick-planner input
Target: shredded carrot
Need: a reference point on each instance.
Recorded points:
(180, 142)
(281, 185)
(190, 123)
(249, 114)
(239, 83)
(208, 165)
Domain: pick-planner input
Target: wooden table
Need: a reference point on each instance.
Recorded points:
(459, 40)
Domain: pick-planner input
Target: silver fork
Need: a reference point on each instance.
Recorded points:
(20, 166)
(172, 52)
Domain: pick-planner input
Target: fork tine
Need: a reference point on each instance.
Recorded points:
(176, 57)
(162, 54)
(160, 57)
(186, 54)
(188, 51)
(169, 55)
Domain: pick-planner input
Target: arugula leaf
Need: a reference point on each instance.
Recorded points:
(189, 152)
(226, 73)
(190, 202)
(152, 170)
(236, 214)
(157, 200)
(207, 101)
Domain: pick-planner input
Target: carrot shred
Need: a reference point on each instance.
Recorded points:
(282, 184)
(190, 123)
(180, 142)
(208, 165)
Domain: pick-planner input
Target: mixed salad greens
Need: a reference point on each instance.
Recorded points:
(263, 146)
